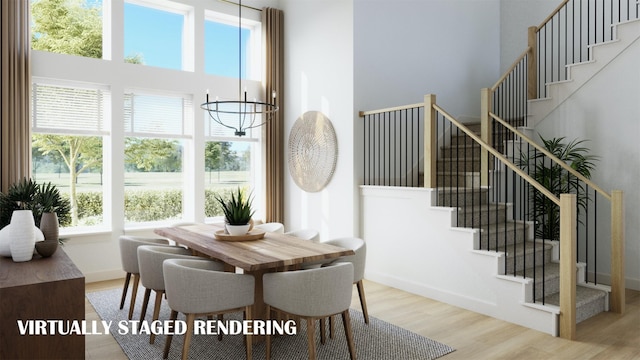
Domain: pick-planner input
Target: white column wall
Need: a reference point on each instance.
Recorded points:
(319, 77)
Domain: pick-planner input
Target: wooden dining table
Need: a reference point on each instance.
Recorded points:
(274, 252)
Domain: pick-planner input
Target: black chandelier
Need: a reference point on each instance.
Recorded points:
(246, 111)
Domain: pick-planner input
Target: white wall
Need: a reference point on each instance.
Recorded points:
(607, 113)
(405, 49)
(516, 16)
(319, 77)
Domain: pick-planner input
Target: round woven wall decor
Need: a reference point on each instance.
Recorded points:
(313, 151)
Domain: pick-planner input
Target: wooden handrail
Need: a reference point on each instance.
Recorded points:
(499, 156)
(551, 156)
(553, 13)
(403, 107)
(513, 66)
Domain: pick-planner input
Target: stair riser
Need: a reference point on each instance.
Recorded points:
(460, 199)
(471, 180)
(498, 239)
(462, 140)
(480, 217)
(455, 165)
(590, 309)
(551, 286)
(526, 261)
(471, 153)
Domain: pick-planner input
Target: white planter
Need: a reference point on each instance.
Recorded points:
(238, 229)
(23, 238)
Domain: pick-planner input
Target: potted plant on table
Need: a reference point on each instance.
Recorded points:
(39, 199)
(237, 212)
(50, 204)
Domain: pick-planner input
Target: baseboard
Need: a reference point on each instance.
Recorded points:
(103, 276)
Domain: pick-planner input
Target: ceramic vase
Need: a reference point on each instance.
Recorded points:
(23, 237)
(50, 228)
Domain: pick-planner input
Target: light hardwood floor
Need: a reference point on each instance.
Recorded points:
(474, 336)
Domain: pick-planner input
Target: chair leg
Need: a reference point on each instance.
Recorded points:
(187, 337)
(268, 336)
(363, 301)
(311, 338)
(124, 290)
(167, 344)
(156, 312)
(145, 303)
(346, 321)
(323, 337)
(248, 337)
(134, 293)
(331, 327)
(220, 319)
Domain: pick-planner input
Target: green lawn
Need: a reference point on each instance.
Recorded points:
(146, 180)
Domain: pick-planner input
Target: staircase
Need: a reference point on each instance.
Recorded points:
(600, 55)
(523, 255)
(464, 248)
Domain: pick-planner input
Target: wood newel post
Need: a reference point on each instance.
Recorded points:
(568, 257)
(485, 134)
(532, 63)
(617, 298)
(430, 151)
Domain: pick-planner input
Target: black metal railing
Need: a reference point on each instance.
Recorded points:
(500, 210)
(509, 94)
(538, 210)
(392, 146)
(564, 37)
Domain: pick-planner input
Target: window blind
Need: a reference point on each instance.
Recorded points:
(152, 115)
(68, 110)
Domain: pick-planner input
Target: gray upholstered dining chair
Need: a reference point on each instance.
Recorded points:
(129, 257)
(274, 227)
(201, 287)
(306, 234)
(311, 294)
(150, 259)
(358, 260)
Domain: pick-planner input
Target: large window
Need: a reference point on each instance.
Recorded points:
(137, 149)
(154, 34)
(67, 27)
(154, 129)
(223, 56)
(67, 147)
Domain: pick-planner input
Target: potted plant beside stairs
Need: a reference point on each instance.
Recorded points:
(556, 179)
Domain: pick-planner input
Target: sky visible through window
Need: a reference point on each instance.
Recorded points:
(156, 36)
(153, 34)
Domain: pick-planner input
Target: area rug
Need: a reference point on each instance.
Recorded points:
(378, 340)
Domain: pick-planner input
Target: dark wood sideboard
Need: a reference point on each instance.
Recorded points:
(41, 289)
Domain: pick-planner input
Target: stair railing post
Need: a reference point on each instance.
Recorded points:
(532, 63)
(617, 299)
(430, 151)
(568, 256)
(485, 134)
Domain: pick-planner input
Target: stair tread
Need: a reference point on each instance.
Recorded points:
(527, 247)
(501, 227)
(480, 207)
(584, 295)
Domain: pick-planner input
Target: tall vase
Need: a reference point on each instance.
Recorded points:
(50, 228)
(23, 237)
